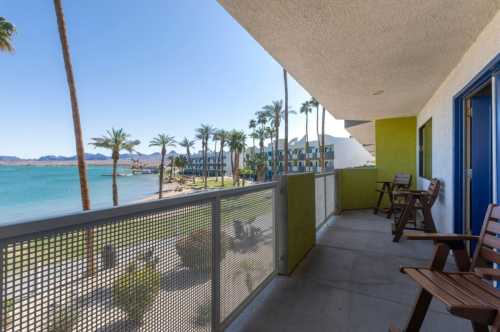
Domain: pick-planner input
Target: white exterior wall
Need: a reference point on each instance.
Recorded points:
(440, 108)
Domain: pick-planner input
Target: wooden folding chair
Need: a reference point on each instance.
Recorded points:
(409, 202)
(468, 294)
(401, 181)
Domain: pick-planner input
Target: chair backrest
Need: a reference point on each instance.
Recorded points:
(486, 249)
(433, 190)
(401, 181)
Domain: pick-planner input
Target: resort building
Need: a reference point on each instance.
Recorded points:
(340, 152)
(213, 164)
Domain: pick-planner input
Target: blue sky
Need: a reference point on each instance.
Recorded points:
(148, 67)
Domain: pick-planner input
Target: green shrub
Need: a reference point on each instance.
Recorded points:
(136, 290)
(195, 249)
(203, 314)
(64, 320)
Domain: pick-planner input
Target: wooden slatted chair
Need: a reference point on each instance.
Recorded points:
(401, 181)
(407, 203)
(469, 293)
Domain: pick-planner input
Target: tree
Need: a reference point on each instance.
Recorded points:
(322, 153)
(237, 143)
(262, 117)
(116, 141)
(270, 135)
(188, 144)
(285, 146)
(252, 125)
(7, 31)
(180, 162)
(204, 133)
(275, 113)
(215, 139)
(162, 141)
(77, 128)
(261, 134)
(222, 135)
(314, 103)
(306, 109)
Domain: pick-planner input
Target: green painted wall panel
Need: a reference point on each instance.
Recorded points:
(301, 217)
(357, 188)
(396, 148)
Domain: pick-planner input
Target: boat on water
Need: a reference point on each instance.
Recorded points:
(119, 174)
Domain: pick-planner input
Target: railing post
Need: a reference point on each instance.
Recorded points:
(3, 315)
(325, 198)
(216, 251)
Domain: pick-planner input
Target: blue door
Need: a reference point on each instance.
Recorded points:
(481, 161)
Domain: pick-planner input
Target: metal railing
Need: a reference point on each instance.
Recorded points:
(189, 263)
(325, 185)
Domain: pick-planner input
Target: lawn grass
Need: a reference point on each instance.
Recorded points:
(153, 226)
(211, 183)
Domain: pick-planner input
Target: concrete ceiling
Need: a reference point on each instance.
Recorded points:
(364, 59)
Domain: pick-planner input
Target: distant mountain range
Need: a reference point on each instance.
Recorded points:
(92, 157)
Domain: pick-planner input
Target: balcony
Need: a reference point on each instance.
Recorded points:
(350, 281)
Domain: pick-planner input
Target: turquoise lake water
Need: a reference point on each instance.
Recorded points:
(28, 192)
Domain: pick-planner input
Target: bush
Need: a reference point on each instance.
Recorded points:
(136, 290)
(203, 314)
(64, 320)
(195, 249)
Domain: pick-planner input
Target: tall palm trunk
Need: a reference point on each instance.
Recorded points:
(236, 173)
(276, 143)
(221, 163)
(232, 163)
(322, 160)
(306, 145)
(80, 152)
(162, 169)
(190, 162)
(285, 146)
(273, 157)
(115, 186)
(205, 166)
(317, 131)
(216, 163)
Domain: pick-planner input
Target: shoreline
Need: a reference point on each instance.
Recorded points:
(62, 163)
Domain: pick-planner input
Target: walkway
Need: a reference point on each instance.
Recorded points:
(349, 282)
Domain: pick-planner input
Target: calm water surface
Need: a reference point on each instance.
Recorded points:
(29, 192)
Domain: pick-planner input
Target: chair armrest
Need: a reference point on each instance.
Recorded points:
(441, 237)
(488, 274)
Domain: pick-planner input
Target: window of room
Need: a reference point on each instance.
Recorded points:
(425, 150)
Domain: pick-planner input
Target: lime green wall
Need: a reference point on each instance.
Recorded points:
(396, 147)
(301, 217)
(357, 188)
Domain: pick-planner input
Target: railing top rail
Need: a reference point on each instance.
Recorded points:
(28, 227)
(318, 175)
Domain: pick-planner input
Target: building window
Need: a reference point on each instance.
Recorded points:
(425, 150)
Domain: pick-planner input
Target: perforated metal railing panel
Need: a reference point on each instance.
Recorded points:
(152, 275)
(320, 200)
(247, 225)
(330, 194)
(153, 264)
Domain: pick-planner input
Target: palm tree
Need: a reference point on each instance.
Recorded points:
(275, 111)
(7, 31)
(204, 133)
(222, 136)
(270, 135)
(77, 128)
(252, 125)
(261, 134)
(162, 141)
(322, 153)
(262, 117)
(116, 141)
(306, 109)
(285, 146)
(237, 144)
(188, 144)
(314, 103)
(215, 139)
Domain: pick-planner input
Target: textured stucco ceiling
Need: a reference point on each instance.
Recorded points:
(343, 51)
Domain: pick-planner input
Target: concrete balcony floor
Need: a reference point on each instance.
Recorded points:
(349, 282)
